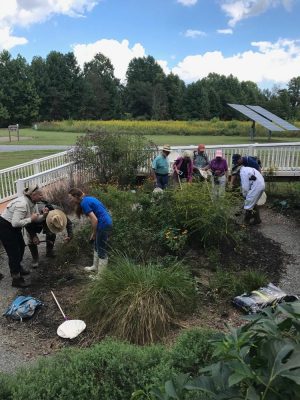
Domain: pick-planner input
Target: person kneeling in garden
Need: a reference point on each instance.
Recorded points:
(55, 223)
(253, 186)
(101, 222)
(183, 168)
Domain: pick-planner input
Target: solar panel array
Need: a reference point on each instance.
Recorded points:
(256, 117)
(272, 117)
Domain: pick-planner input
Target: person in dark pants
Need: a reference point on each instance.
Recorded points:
(19, 213)
(160, 166)
(49, 230)
(101, 222)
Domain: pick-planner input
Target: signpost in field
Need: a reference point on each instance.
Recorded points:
(13, 128)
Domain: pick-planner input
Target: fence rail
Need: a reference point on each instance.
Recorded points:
(282, 159)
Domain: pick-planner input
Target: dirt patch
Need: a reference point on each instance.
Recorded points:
(37, 337)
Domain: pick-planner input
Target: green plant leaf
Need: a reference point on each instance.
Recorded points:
(251, 394)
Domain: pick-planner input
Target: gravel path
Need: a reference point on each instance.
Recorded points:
(21, 147)
(11, 355)
(286, 232)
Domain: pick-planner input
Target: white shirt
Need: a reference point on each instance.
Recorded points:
(18, 212)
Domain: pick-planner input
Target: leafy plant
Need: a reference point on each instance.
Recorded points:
(113, 157)
(259, 361)
(138, 303)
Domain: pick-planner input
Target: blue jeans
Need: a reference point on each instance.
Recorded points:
(162, 181)
(102, 236)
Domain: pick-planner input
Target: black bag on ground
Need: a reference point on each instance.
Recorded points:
(263, 297)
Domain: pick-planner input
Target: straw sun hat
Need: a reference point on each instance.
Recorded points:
(56, 221)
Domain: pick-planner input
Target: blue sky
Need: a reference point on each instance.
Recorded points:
(257, 40)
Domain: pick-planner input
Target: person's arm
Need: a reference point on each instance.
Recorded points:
(245, 183)
(94, 222)
(20, 218)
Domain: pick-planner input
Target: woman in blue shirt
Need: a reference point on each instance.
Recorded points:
(101, 222)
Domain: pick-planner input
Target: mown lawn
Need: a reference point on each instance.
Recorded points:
(33, 137)
(11, 158)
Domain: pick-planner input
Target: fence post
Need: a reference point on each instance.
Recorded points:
(36, 167)
(20, 187)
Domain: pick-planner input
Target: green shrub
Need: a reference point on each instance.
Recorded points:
(227, 284)
(192, 350)
(110, 370)
(138, 303)
(259, 361)
(113, 156)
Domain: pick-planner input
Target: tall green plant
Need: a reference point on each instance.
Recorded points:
(138, 303)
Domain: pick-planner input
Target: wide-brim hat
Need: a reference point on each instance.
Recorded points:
(56, 221)
(30, 189)
(186, 154)
(167, 148)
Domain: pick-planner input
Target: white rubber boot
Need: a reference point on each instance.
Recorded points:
(94, 267)
(102, 264)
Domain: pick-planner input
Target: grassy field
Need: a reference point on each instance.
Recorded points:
(31, 136)
(11, 158)
(34, 137)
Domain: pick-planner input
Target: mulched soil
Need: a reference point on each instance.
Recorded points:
(69, 282)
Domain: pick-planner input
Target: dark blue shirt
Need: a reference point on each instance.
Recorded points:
(91, 204)
(250, 162)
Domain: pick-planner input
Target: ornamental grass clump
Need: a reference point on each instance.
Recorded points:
(138, 303)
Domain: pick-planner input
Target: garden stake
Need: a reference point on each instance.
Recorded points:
(71, 328)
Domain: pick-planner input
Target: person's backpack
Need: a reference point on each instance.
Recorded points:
(22, 307)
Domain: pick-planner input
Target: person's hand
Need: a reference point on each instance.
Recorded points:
(34, 217)
(67, 239)
(45, 211)
(35, 240)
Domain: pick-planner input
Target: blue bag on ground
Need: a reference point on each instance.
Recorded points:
(263, 297)
(22, 307)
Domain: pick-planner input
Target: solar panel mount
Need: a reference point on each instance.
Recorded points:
(273, 118)
(248, 112)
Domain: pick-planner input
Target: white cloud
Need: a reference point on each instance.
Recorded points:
(191, 33)
(164, 65)
(26, 12)
(238, 10)
(277, 62)
(187, 2)
(225, 31)
(119, 53)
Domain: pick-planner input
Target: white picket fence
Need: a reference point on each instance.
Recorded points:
(283, 159)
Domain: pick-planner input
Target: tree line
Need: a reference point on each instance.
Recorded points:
(56, 88)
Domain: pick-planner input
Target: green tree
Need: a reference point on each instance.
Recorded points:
(294, 92)
(175, 88)
(101, 89)
(145, 94)
(197, 101)
(18, 97)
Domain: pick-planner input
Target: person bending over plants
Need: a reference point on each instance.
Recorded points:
(183, 168)
(101, 222)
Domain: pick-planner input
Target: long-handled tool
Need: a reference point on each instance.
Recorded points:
(71, 328)
(179, 181)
